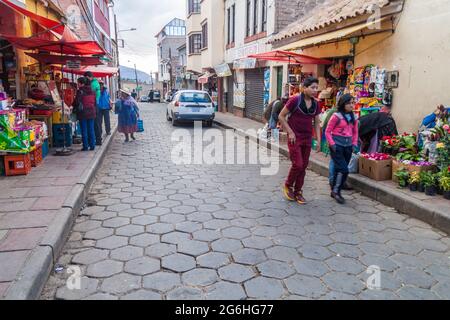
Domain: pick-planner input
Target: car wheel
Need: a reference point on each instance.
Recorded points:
(209, 123)
(167, 116)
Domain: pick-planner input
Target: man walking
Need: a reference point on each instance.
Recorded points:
(104, 108)
(95, 85)
(302, 110)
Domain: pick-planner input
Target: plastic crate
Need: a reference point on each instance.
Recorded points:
(36, 156)
(17, 165)
(45, 149)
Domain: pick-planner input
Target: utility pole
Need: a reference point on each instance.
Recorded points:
(117, 51)
(137, 81)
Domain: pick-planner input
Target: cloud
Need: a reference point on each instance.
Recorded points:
(149, 17)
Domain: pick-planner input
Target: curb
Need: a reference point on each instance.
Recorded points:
(38, 267)
(437, 217)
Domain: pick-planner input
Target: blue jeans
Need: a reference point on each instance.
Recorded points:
(332, 172)
(272, 123)
(88, 133)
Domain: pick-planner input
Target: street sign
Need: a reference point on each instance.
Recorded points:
(74, 64)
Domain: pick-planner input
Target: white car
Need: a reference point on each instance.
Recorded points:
(191, 105)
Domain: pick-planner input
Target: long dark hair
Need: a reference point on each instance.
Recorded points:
(343, 101)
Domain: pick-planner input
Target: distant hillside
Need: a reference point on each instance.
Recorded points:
(129, 74)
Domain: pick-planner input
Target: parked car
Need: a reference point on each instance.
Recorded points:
(154, 95)
(191, 105)
(144, 99)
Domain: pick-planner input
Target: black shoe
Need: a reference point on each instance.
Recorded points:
(108, 133)
(339, 199)
(98, 143)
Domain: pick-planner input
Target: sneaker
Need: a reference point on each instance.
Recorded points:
(288, 193)
(300, 199)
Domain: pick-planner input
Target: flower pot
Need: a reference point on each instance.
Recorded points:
(430, 191)
(413, 187)
(402, 184)
(440, 191)
(447, 195)
(421, 188)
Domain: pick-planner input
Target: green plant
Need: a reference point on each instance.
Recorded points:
(403, 176)
(414, 177)
(408, 156)
(444, 183)
(427, 179)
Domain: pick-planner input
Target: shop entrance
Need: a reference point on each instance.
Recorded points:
(8, 69)
(254, 93)
(230, 94)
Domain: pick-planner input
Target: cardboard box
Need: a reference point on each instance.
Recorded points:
(375, 170)
(398, 165)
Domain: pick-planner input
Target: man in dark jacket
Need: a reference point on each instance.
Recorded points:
(381, 123)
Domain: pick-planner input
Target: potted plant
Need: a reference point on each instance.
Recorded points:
(421, 187)
(445, 186)
(414, 180)
(403, 177)
(429, 182)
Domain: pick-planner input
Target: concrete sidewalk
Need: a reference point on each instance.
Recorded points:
(36, 214)
(433, 210)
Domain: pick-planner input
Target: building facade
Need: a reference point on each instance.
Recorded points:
(169, 39)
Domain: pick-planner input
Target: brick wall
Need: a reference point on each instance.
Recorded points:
(289, 11)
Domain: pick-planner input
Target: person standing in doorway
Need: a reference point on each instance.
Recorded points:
(104, 108)
(342, 136)
(302, 111)
(86, 112)
(95, 86)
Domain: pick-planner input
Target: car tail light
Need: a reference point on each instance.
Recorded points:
(177, 104)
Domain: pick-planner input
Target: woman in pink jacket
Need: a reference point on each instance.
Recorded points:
(342, 136)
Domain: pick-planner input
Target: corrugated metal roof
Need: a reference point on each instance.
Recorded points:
(330, 12)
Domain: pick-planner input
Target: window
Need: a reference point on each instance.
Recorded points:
(195, 97)
(205, 35)
(249, 8)
(194, 6)
(264, 16)
(195, 43)
(228, 25)
(255, 16)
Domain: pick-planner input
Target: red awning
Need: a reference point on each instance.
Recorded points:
(43, 21)
(289, 57)
(99, 72)
(67, 45)
(46, 58)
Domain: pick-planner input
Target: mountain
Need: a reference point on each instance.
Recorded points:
(127, 73)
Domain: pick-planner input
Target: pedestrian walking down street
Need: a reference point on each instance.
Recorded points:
(342, 136)
(84, 105)
(104, 109)
(95, 85)
(128, 113)
(302, 110)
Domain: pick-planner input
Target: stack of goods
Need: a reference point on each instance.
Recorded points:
(366, 84)
(376, 166)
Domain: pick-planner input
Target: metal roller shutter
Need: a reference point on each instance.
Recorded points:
(254, 93)
(230, 96)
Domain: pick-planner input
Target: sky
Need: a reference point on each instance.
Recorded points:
(148, 17)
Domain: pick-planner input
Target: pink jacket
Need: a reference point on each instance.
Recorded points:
(339, 127)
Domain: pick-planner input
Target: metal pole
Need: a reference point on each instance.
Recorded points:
(117, 52)
(137, 81)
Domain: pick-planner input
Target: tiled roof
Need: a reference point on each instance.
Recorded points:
(330, 12)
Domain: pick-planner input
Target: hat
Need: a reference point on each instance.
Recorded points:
(126, 91)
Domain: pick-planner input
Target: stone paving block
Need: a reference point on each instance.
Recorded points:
(162, 281)
(225, 291)
(121, 283)
(188, 226)
(206, 235)
(104, 215)
(378, 295)
(415, 277)
(112, 242)
(310, 267)
(99, 233)
(142, 295)
(90, 256)
(160, 228)
(160, 250)
(126, 253)
(144, 220)
(185, 293)
(178, 262)
(236, 273)
(144, 205)
(130, 230)
(131, 213)
(11, 263)
(305, 286)
(144, 240)
(116, 222)
(282, 253)
(413, 293)
(157, 211)
(275, 269)
(213, 260)
(175, 237)
(249, 256)
(142, 266)
(104, 269)
(314, 252)
(263, 288)
(342, 282)
(88, 287)
(200, 277)
(257, 242)
(21, 239)
(347, 265)
(87, 226)
(101, 296)
(118, 207)
(226, 245)
(236, 233)
(193, 247)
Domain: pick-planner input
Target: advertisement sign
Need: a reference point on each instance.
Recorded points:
(245, 63)
(223, 70)
(74, 64)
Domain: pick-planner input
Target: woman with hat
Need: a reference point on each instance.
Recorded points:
(128, 112)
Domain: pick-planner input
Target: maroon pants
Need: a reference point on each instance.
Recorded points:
(300, 159)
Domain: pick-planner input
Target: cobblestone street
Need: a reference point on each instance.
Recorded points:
(155, 230)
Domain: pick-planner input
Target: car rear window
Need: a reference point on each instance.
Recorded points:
(195, 97)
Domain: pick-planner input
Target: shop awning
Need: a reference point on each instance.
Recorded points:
(100, 71)
(332, 36)
(68, 44)
(55, 26)
(289, 57)
(46, 58)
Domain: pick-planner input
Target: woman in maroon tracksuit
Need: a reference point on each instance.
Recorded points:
(85, 106)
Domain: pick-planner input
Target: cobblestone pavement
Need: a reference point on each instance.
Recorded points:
(154, 230)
